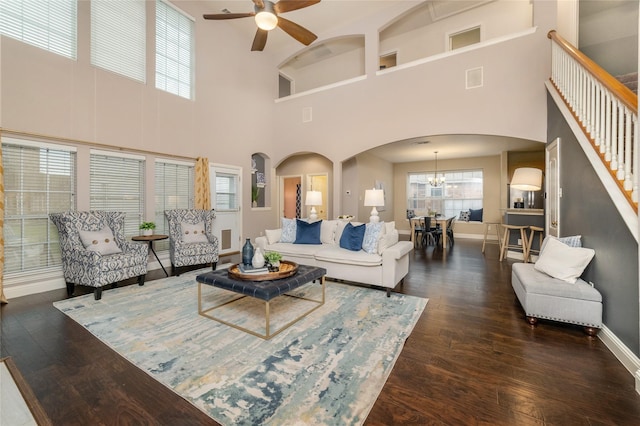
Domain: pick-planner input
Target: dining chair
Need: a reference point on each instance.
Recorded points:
(428, 233)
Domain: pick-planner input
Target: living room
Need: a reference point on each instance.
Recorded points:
(232, 115)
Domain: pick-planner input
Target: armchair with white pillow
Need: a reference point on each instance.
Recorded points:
(191, 239)
(552, 288)
(95, 252)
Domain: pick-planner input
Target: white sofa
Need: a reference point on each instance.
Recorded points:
(385, 268)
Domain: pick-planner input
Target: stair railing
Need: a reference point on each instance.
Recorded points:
(606, 109)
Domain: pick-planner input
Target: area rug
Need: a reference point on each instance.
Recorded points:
(327, 368)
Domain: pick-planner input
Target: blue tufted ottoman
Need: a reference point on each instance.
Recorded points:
(264, 290)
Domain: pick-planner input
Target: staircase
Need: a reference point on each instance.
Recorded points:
(606, 109)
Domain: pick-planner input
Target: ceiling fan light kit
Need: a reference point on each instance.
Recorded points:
(267, 18)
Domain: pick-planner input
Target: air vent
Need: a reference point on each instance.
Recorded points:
(474, 78)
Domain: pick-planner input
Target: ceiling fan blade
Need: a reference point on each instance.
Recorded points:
(260, 40)
(289, 5)
(221, 16)
(301, 34)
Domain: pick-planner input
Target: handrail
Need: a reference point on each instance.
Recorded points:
(624, 94)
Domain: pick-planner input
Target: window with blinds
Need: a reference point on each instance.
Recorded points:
(49, 25)
(38, 179)
(174, 50)
(117, 184)
(118, 37)
(463, 190)
(174, 190)
(226, 192)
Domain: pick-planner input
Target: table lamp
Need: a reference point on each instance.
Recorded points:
(313, 198)
(374, 198)
(527, 179)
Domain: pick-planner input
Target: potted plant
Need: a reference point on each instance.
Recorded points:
(255, 193)
(272, 258)
(147, 228)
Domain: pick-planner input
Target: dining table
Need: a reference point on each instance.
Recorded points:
(440, 220)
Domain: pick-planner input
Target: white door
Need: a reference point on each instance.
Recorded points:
(225, 199)
(554, 192)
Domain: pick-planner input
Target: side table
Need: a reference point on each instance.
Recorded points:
(150, 239)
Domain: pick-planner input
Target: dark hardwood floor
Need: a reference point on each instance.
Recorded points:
(471, 360)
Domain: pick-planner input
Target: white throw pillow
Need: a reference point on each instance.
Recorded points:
(193, 233)
(101, 241)
(387, 240)
(389, 226)
(273, 235)
(563, 262)
(328, 231)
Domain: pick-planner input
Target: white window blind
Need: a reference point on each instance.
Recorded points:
(226, 192)
(118, 36)
(174, 50)
(117, 184)
(47, 24)
(174, 190)
(38, 179)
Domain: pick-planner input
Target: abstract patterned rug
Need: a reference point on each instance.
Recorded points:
(327, 368)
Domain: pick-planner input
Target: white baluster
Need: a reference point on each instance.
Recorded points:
(628, 150)
(607, 125)
(614, 134)
(620, 174)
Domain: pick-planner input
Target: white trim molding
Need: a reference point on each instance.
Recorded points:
(630, 361)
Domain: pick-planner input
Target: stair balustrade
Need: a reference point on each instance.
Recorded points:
(605, 108)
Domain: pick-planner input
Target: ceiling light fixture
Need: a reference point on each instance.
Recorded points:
(434, 181)
(266, 18)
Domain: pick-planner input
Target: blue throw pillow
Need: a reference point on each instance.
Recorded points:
(307, 233)
(352, 237)
(475, 215)
(372, 234)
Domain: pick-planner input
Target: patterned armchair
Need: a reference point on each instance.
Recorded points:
(191, 239)
(95, 252)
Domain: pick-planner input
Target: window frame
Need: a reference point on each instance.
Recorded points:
(52, 255)
(160, 204)
(51, 25)
(163, 52)
(446, 203)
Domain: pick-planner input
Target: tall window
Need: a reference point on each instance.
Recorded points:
(118, 37)
(174, 50)
(47, 24)
(117, 184)
(38, 179)
(462, 191)
(174, 190)
(226, 192)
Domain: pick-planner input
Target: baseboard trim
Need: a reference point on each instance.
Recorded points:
(630, 361)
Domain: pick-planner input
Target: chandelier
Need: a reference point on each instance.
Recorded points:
(435, 181)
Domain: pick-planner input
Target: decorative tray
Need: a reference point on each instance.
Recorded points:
(287, 269)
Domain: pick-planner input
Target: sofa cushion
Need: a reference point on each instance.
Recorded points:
(464, 215)
(335, 254)
(352, 237)
(563, 262)
(297, 250)
(273, 235)
(475, 215)
(101, 241)
(328, 231)
(387, 240)
(288, 230)
(536, 282)
(308, 233)
(373, 232)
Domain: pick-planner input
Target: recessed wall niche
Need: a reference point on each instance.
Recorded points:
(259, 184)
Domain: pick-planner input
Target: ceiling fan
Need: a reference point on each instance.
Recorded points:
(267, 16)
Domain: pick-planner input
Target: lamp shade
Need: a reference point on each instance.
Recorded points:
(313, 198)
(527, 179)
(374, 197)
